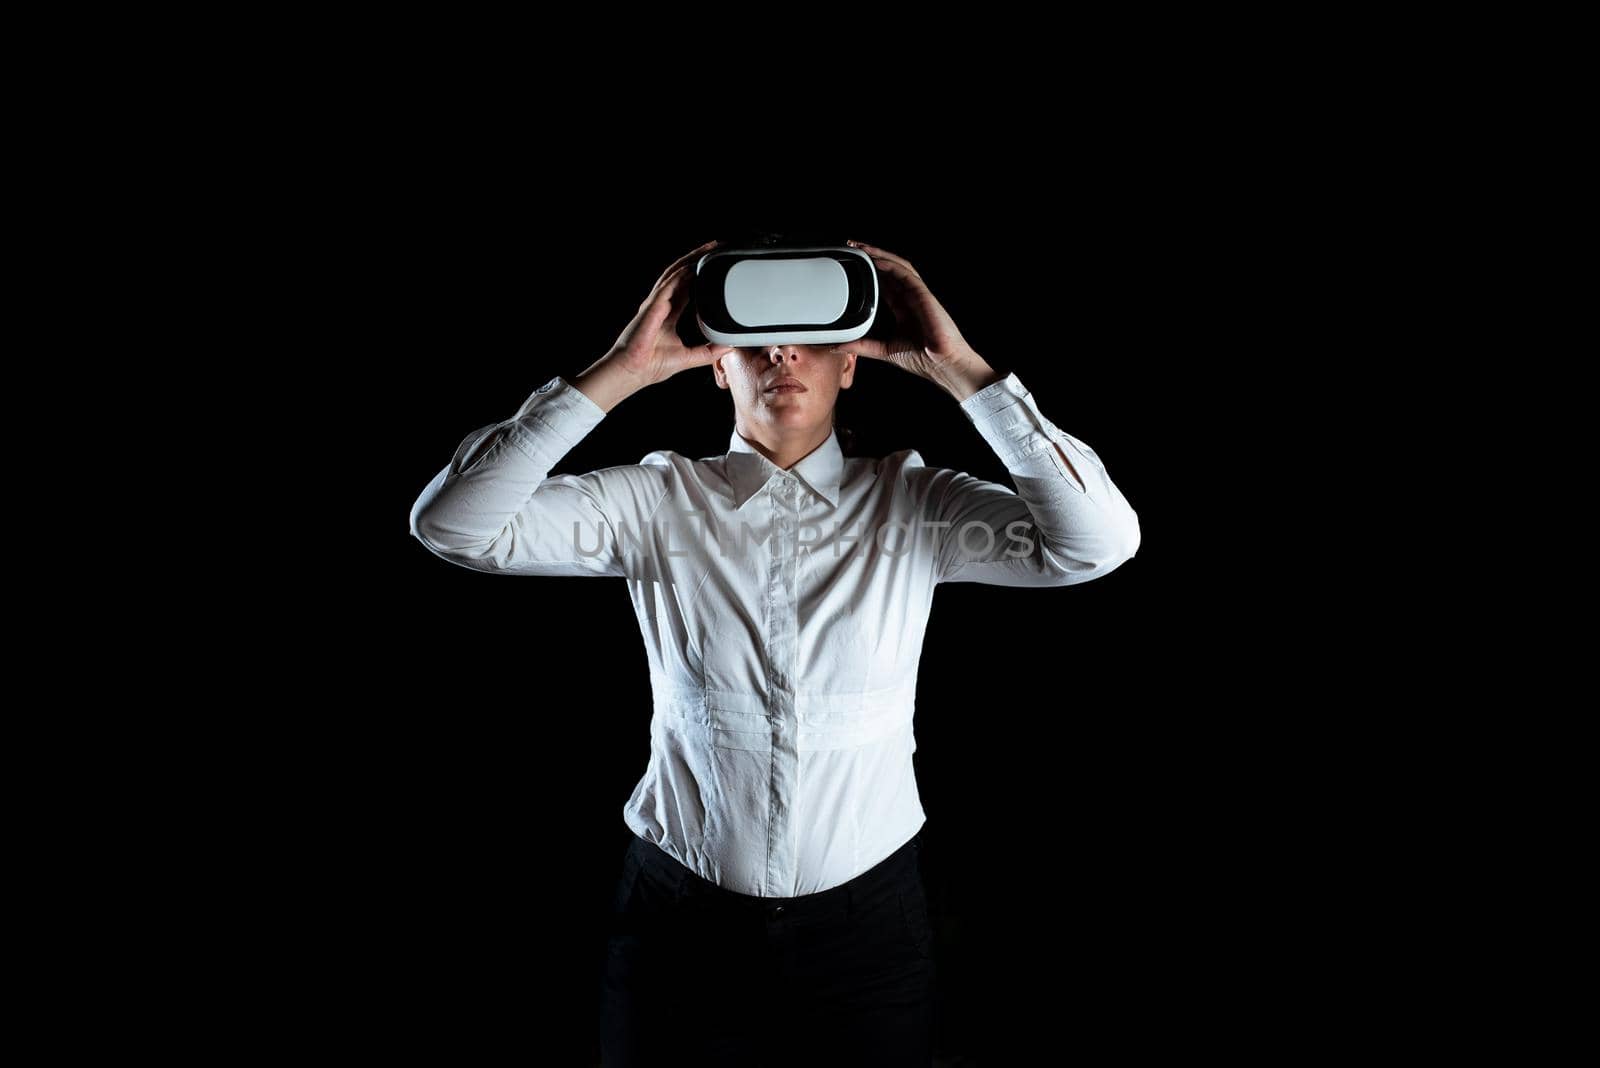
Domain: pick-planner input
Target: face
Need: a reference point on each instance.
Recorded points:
(751, 373)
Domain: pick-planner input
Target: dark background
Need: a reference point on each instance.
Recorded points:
(1096, 819)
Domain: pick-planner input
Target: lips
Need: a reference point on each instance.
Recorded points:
(786, 385)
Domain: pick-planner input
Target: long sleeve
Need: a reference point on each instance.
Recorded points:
(1053, 529)
(495, 507)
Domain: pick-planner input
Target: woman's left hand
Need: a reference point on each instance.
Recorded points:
(926, 340)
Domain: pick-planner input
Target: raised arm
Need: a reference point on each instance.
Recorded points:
(496, 507)
(1065, 522)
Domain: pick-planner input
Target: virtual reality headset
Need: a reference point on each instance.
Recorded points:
(772, 289)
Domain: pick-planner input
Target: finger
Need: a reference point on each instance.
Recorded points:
(701, 355)
(682, 261)
(895, 296)
(677, 293)
(880, 350)
(899, 286)
(872, 348)
(867, 346)
(687, 257)
(879, 255)
(660, 302)
(900, 271)
(666, 284)
(906, 295)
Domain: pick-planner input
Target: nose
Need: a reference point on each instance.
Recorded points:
(776, 354)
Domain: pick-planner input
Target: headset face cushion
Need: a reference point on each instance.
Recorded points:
(806, 295)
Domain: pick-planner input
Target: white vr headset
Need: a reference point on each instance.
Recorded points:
(772, 290)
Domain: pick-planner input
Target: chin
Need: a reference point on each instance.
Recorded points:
(788, 413)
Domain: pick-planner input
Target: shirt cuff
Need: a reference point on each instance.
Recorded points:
(996, 395)
(1009, 419)
(556, 408)
(1008, 416)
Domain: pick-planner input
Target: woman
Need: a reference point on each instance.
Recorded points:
(771, 907)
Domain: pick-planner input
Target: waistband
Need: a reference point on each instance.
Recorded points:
(892, 871)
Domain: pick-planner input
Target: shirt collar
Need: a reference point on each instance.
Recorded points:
(819, 471)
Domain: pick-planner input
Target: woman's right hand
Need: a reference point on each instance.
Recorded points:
(649, 349)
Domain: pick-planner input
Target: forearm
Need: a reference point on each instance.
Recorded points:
(606, 383)
(965, 376)
(497, 478)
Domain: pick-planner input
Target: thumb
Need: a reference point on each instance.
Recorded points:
(704, 354)
(869, 347)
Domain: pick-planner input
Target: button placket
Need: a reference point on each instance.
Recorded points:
(783, 769)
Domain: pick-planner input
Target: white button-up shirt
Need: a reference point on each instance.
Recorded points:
(782, 611)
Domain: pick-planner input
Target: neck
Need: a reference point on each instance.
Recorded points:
(785, 448)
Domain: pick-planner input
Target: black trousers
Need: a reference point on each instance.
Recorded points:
(699, 974)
